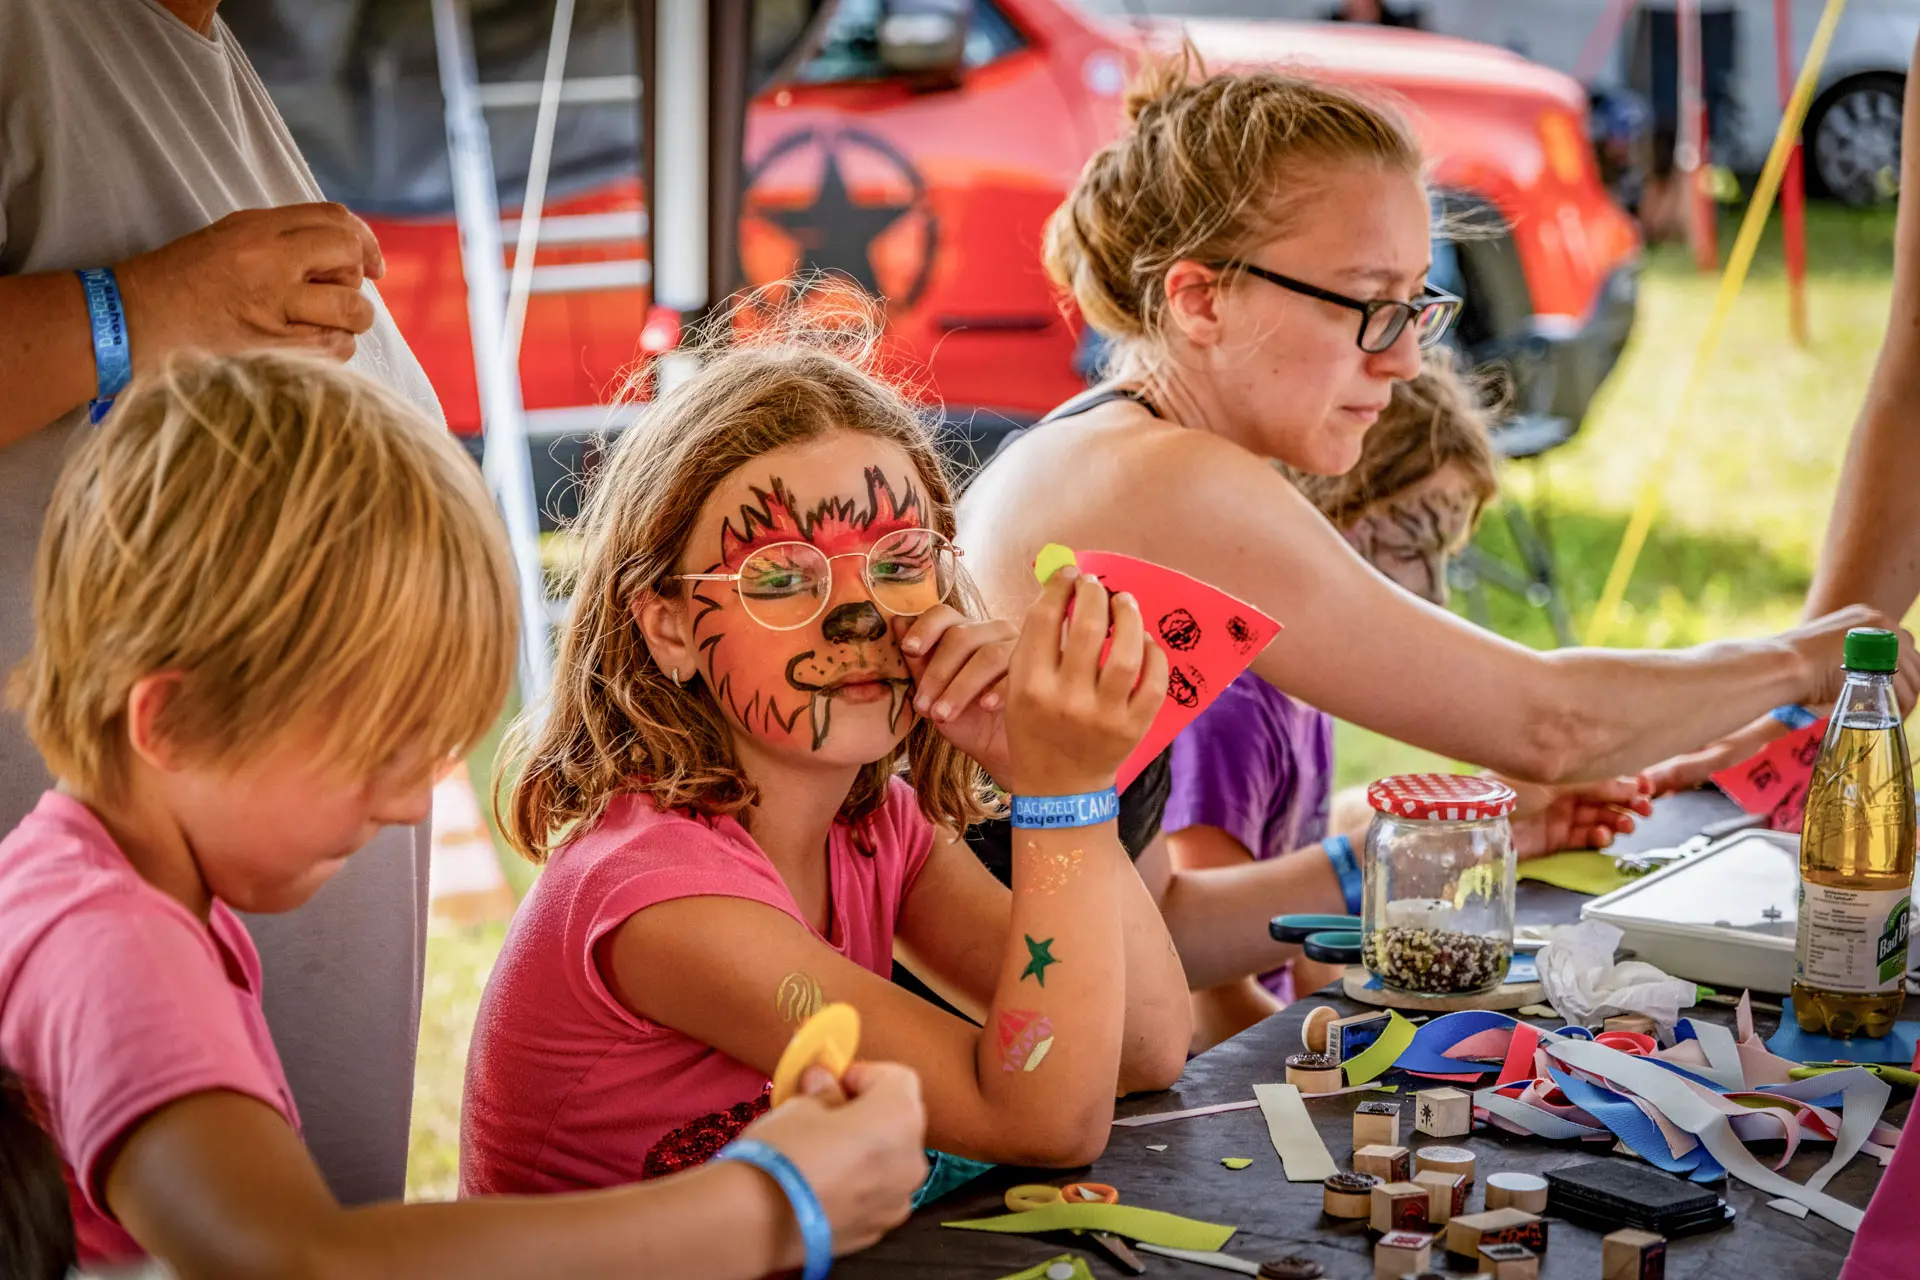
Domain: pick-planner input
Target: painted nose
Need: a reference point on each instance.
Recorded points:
(853, 623)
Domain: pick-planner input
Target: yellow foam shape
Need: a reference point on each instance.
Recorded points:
(830, 1039)
(1377, 1057)
(1582, 872)
(1130, 1221)
(1052, 559)
(1235, 1162)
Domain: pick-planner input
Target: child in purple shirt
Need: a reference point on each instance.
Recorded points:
(1253, 775)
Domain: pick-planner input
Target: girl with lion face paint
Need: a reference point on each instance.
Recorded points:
(771, 626)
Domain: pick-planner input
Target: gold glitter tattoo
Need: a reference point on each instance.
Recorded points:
(1050, 872)
(798, 998)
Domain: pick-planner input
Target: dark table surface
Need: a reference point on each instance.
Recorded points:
(1276, 1217)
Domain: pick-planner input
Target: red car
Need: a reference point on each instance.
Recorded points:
(931, 191)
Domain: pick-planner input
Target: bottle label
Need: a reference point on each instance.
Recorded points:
(1852, 940)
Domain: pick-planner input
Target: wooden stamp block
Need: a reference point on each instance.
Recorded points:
(1446, 1195)
(1388, 1163)
(1376, 1124)
(1509, 1262)
(1633, 1255)
(1315, 1073)
(1443, 1113)
(1398, 1206)
(1445, 1160)
(1524, 1191)
(1466, 1234)
(1348, 1195)
(1400, 1252)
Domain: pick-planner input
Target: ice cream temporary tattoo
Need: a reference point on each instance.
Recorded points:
(847, 648)
(1026, 1037)
(1039, 957)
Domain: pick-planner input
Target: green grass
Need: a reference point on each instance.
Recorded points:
(1744, 508)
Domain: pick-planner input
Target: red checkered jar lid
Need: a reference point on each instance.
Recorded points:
(1442, 797)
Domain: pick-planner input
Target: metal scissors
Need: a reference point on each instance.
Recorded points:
(1039, 1196)
(1224, 1261)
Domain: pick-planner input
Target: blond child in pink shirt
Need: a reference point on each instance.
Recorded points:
(271, 603)
(771, 626)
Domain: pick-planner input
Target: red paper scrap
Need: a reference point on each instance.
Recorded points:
(1209, 638)
(1774, 779)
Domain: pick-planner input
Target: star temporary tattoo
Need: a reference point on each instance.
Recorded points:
(1039, 956)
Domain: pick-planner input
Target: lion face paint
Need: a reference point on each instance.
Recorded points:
(836, 687)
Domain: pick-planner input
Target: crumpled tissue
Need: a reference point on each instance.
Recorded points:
(1586, 986)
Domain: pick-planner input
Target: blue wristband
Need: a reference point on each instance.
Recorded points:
(112, 356)
(1793, 716)
(1047, 813)
(1347, 868)
(815, 1231)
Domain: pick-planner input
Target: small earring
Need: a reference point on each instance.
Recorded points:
(676, 675)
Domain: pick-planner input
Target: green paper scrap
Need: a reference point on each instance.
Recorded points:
(1131, 1221)
(1052, 559)
(1235, 1162)
(1382, 1053)
(1588, 872)
(1074, 1260)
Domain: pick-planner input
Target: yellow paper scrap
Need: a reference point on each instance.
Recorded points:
(1052, 559)
(1586, 872)
(1302, 1154)
(1130, 1221)
(1236, 1162)
(1382, 1053)
(1077, 1269)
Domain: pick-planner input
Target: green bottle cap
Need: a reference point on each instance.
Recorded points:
(1872, 649)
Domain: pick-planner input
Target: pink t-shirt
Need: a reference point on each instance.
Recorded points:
(1889, 1239)
(567, 1089)
(115, 1000)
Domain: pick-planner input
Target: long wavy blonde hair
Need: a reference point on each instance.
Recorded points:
(618, 723)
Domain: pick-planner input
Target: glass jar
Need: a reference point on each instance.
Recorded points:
(1437, 917)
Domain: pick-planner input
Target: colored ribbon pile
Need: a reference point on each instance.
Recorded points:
(1690, 1108)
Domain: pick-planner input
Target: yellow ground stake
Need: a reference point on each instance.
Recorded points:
(1731, 282)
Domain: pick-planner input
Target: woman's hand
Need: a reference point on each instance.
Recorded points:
(959, 671)
(862, 1150)
(1821, 642)
(1584, 816)
(1072, 718)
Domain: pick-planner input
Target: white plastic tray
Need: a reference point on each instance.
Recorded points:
(1725, 916)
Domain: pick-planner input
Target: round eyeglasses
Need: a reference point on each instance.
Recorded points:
(787, 585)
(1382, 320)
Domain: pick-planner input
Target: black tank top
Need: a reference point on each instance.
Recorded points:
(1087, 400)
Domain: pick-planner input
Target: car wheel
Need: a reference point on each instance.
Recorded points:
(1853, 140)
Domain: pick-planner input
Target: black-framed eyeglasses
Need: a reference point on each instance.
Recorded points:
(1382, 320)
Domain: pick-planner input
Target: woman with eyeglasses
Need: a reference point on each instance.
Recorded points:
(1256, 247)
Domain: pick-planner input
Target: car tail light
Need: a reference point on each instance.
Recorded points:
(661, 333)
(1565, 146)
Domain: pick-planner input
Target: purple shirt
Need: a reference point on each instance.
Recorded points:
(1259, 766)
